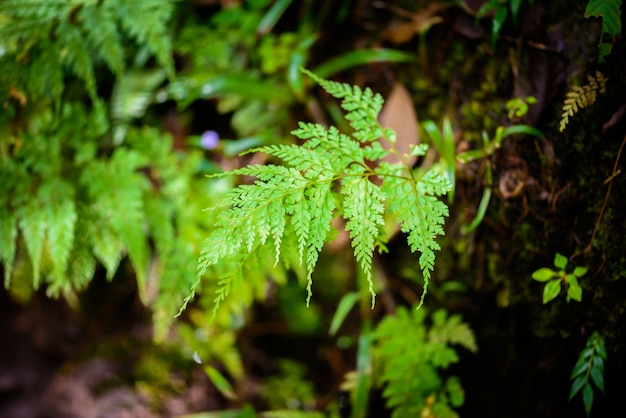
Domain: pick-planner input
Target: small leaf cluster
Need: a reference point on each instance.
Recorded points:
(554, 280)
(582, 96)
(589, 368)
(413, 385)
(331, 174)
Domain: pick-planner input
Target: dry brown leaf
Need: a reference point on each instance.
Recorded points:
(398, 114)
(400, 32)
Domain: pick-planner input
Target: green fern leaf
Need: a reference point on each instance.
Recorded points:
(420, 213)
(609, 11)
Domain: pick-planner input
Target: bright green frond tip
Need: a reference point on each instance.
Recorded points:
(331, 174)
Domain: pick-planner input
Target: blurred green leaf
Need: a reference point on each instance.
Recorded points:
(580, 271)
(498, 21)
(246, 412)
(186, 90)
(521, 129)
(484, 202)
(575, 292)
(221, 383)
(581, 367)
(576, 386)
(272, 16)
(359, 57)
(343, 309)
(471, 155)
(598, 378)
(588, 398)
(296, 63)
(364, 371)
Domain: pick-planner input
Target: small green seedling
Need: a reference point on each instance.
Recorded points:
(554, 280)
(518, 107)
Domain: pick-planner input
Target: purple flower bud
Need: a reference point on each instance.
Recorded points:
(209, 140)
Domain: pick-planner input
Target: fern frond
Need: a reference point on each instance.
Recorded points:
(301, 197)
(582, 96)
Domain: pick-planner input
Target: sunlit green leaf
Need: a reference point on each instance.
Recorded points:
(359, 57)
(560, 261)
(483, 205)
(552, 290)
(221, 383)
(343, 309)
(364, 370)
(272, 16)
(580, 271)
(521, 129)
(544, 274)
(575, 292)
